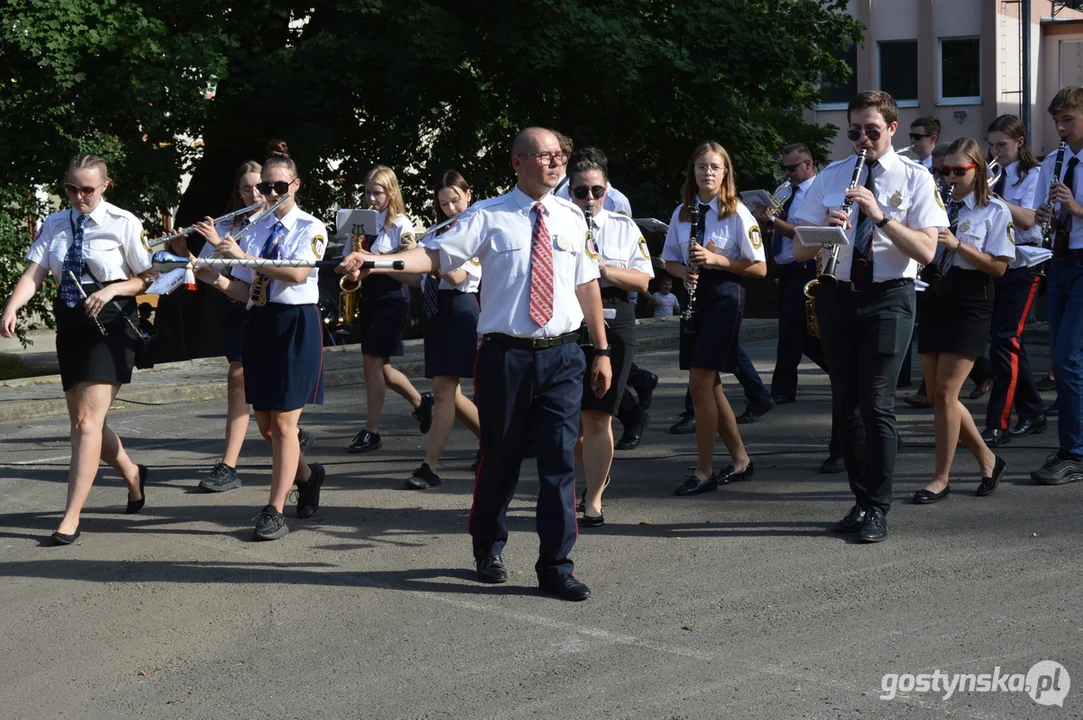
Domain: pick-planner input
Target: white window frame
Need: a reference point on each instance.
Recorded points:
(916, 102)
(966, 100)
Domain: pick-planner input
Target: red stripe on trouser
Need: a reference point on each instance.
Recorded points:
(481, 451)
(1016, 347)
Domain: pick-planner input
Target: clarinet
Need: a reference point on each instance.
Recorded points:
(828, 274)
(689, 314)
(1049, 227)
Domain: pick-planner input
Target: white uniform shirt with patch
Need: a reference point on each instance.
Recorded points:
(986, 228)
(472, 266)
(615, 201)
(391, 234)
(1023, 196)
(736, 237)
(619, 244)
(498, 233)
(247, 242)
(112, 244)
(905, 191)
(786, 256)
(1045, 176)
(305, 238)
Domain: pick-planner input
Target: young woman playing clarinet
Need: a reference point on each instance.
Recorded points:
(283, 342)
(385, 311)
(954, 318)
(729, 249)
(94, 251)
(615, 243)
(450, 305)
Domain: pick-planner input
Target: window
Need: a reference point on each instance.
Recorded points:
(841, 95)
(899, 69)
(960, 70)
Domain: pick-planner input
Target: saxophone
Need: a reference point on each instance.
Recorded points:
(348, 310)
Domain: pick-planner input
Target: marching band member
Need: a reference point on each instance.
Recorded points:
(924, 137)
(283, 342)
(624, 264)
(94, 251)
(1064, 296)
(615, 200)
(1016, 292)
(731, 250)
(385, 312)
(539, 288)
(866, 318)
(954, 319)
(451, 336)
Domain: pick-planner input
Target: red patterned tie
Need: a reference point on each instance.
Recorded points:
(541, 270)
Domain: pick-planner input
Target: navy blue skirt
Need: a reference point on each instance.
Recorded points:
(234, 324)
(451, 336)
(720, 308)
(385, 310)
(283, 357)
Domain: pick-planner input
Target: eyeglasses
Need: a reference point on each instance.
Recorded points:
(716, 169)
(944, 170)
(76, 190)
(581, 191)
(871, 133)
(281, 187)
(791, 168)
(548, 158)
(914, 137)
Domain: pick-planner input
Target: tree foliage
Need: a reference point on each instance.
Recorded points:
(421, 85)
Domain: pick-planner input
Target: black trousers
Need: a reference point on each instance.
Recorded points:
(628, 412)
(865, 335)
(1013, 378)
(517, 388)
(793, 338)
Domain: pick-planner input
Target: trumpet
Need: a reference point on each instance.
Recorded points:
(993, 172)
(689, 314)
(154, 244)
(778, 199)
(828, 274)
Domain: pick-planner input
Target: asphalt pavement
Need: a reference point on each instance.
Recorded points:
(733, 604)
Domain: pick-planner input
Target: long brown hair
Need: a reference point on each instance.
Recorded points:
(450, 179)
(236, 202)
(1013, 128)
(727, 194)
(971, 150)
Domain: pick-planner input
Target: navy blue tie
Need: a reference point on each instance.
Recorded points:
(431, 294)
(73, 265)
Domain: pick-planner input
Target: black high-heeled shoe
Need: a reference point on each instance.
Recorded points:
(135, 506)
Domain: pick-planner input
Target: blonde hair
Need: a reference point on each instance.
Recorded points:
(385, 177)
(727, 194)
(84, 161)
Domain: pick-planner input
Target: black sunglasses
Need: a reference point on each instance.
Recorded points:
(871, 133)
(581, 191)
(281, 187)
(914, 137)
(791, 168)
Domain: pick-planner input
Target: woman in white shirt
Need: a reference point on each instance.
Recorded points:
(94, 251)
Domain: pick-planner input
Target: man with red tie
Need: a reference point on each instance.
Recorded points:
(541, 287)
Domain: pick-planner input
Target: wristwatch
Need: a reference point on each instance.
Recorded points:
(601, 352)
(883, 222)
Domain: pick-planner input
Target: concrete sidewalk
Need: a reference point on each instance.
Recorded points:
(205, 378)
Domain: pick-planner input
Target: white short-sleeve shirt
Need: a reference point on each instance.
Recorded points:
(1022, 195)
(471, 266)
(618, 242)
(391, 234)
(112, 244)
(498, 233)
(785, 257)
(1045, 177)
(736, 237)
(305, 239)
(986, 228)
(906, 193)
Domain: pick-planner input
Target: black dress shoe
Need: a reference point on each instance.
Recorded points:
(833, 465)
(60, 538)
(995, 437)
(730, 474)
(989, 484)
(852, 522)
(1046, 384)
(491, 569)
(1034, 426)
(591, 521)
(927, 497)
(692, 485)
(685, 426)
(135, 506)
(632, 434)
(364, 442)
(565, 586)
(981, 389)
(754, 412)
(874, 529)
(423, 412)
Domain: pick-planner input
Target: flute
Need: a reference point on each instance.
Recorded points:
(150, 244)
(82, 292)
(164, 261)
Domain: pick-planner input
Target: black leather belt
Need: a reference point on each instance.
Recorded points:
(878, 287)
(532, 343)
(796, 266)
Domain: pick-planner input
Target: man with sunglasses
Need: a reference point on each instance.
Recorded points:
(924, 135)
(866, 318)
(529, 371)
